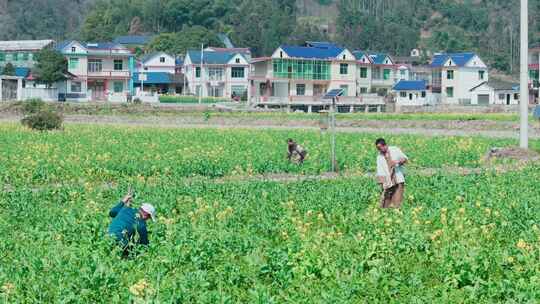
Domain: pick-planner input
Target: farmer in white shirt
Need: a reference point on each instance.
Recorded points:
(390, 163)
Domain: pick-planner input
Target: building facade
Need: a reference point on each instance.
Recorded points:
(412, 93)
(221, 74)
(455, 74)
(22, 53)
(495, 92)
(103, 71)
(156, 73)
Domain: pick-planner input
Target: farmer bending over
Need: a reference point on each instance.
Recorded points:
(127, 220)
(390, 175)
(294, 149)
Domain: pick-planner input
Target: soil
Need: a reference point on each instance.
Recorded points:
(493, 129)
(522, 155)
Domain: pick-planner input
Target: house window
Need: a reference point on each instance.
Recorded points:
(237, 60)
(363, 72)
(481, 75)
(516, 96)
(402, 74)
(95, 65)
(240, 91)
(76, 87)
(215, 74)
(25, 56)
(162, 59)
(410, 96)
(423, 94)
(237, 72)
(198, 72)
(386, 74)
(450, 92)
(73, 63)
(403, 94)
(300, 89)
(343, 69)
(363, 90)
(9, 57)
(450, 74)
(118, 65)
(345, 89)
(118, 87)
(280, 54)
(73, 49)
(2, 57)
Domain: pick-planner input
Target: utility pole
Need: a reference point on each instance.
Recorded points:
(202, 74)
(524, 81)
(333, 131)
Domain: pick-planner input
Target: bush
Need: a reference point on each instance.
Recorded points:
(190, 99)
(43, 120)
(32, 106)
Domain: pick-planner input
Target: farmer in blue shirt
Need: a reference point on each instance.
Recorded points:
(127, 220)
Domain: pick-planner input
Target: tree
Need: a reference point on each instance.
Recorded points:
(51, 66)
(9, 70)
(188, 38)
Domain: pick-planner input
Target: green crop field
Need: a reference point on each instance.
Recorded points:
(458, 239)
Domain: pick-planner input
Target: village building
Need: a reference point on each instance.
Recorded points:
(495, 92)
(158, 72)
(455, 74)
(412, 93)
(103, 71)
(217, 73)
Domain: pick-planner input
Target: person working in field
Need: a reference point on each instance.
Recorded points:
(295, 150)
(127, 220)
(390, 174)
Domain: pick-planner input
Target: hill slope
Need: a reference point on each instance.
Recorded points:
(490, 27)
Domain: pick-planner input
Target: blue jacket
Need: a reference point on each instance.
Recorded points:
(125, 221)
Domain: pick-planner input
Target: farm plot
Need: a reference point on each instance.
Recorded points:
(84, 153)
(471, 239)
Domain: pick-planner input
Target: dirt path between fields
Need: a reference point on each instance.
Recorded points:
(291, 178)
(493, 129)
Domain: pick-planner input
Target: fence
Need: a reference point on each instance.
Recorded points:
(40, 93)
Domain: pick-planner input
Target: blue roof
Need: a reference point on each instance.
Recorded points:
(154, 78)
(358, 54)
(132, 39)
(90, 45)
(318, 51)
(378, 58)
(410, 85)
(22, 72)
(459, 59)
(211, 57)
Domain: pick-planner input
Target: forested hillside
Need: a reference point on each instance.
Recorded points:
(490, 27)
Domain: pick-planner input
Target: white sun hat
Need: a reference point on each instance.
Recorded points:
(148, 208)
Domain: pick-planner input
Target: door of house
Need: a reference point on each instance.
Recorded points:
(508, 99)
(9, 90)
(483, 99)
(98, 90)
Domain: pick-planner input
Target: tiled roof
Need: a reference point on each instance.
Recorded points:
(377, 58)
(410, 85)
(154, 78)
(308, 52)
(211, 57)
(25, 45)
(459, 59)
(132, 39)
(499, 85)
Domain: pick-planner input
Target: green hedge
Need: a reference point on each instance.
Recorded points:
(190, 99)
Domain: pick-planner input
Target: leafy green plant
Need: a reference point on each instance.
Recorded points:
(32, 106)
(43, 120)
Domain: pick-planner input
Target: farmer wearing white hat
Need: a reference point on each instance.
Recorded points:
(127, 220)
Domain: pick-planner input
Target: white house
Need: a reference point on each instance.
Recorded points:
(412, 93)
(495, 92)
(454, 75)
(221, 74)
(156, 72)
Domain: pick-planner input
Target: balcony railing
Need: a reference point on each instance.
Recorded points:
(110, 73)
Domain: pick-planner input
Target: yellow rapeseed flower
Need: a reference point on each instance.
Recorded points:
(8, 288)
